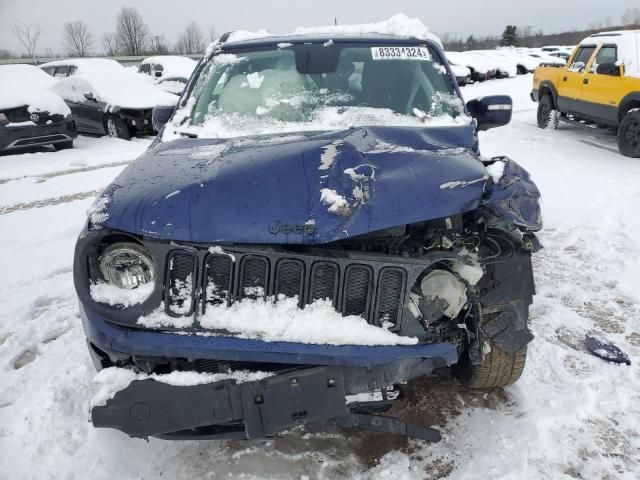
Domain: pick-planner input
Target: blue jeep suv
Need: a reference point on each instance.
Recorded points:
(340, 175)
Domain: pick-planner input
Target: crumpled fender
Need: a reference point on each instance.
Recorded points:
(514, 199)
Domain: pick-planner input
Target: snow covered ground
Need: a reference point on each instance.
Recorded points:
(570, 416)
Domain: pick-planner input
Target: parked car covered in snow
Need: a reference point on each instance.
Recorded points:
(73, 66)
(314, 221)
(31, 115)
(118, 104)
(481, 68)
(171, 72)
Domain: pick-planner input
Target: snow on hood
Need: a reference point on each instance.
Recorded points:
(123, 90)
(399, 25)
(237, 190)
(29, 72)
(17, 91)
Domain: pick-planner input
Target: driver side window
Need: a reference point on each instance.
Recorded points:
(581, 58)
(607, 54)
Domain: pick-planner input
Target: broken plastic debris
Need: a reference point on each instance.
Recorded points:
(607, 351)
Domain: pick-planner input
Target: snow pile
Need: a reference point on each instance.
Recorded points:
(29, 72)
(283, 321)
(17, 90)
(242, 35)
(496, 170)
(111, 380)
(116, 89)
(97, 212)
(399, 25)
(172, 65)
(110, 294)
(335, 202)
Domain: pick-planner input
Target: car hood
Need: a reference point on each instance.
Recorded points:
(311, 187)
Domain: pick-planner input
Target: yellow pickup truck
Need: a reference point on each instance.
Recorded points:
(600, 83)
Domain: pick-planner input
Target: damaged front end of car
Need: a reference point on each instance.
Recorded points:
(405, 229)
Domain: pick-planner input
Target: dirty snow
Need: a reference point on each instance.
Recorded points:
(571, 415)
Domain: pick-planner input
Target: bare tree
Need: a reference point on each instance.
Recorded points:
(191, 40)
(211, 33)
(132, 33)
(28, 35)
(631, 16)
(158, 45)
(77, 38)
(109, 44)
(4, 53)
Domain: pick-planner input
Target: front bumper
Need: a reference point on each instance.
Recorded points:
(37, 135)
(314, 389)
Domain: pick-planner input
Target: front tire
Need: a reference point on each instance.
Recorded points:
(546, 113)
(629, 135)
(116, 128)
(498, 369)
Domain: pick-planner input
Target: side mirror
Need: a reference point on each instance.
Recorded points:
(160, 116)
(89, 96)
(491, 112)
(608, 69)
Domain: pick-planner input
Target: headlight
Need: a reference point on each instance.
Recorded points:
(127, 266)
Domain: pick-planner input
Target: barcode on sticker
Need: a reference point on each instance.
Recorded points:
(400, 53)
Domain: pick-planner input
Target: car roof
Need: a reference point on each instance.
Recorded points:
(82, 62)
(322, 38)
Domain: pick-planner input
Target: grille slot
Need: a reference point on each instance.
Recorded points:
(180, 284)
(290, 278)
(357, 290)
(391, 286)
(218, 281)
(324, 282)
(254, 274)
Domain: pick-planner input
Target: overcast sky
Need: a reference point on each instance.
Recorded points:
(168, 17)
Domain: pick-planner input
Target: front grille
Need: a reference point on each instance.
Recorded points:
(373, 289)
(180, 284)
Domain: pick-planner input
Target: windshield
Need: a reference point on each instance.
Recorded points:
(319, 87)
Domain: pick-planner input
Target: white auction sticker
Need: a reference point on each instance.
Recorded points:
(400, 53)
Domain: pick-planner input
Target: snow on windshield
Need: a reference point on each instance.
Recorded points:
(342, 85)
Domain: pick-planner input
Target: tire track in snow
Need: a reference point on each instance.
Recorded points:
(48, 202)
(45, 176)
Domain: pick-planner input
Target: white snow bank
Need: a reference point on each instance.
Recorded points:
(107, 293)
(283, 321)
(111, 380)
(116, 89)
(17, 91)
(400, 25)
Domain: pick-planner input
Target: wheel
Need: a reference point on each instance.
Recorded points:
(498, 369)
(629, 134)
(546, 113)
(63, 145)
(116, 128)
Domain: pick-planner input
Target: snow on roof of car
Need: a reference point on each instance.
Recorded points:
(172, 65)
(116, 89)
(17, 91)
(86, 65)
(29, 72)
(628, 48)
(399, 25)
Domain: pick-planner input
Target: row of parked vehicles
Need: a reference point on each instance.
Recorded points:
(52, 103)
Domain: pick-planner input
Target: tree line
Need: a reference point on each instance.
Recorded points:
(131, 37)
(526, 36)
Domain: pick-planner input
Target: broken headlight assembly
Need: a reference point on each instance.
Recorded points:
(127, 266)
